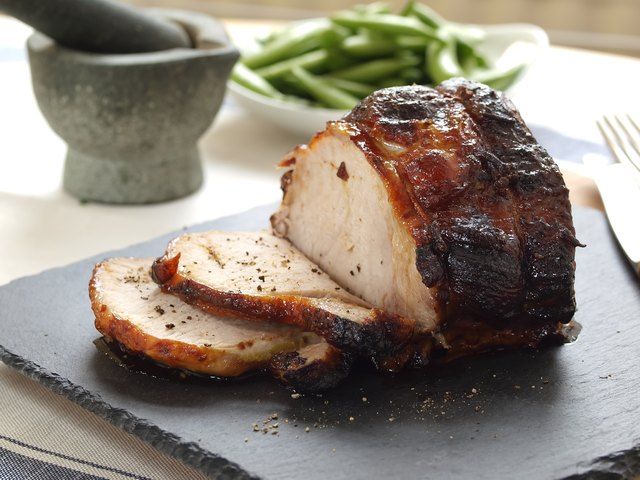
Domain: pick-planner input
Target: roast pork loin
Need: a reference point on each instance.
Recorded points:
(439, 205)
(264, 278)
(131, 310)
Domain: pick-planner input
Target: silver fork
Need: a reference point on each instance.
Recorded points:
(622, 134)
(619, 184)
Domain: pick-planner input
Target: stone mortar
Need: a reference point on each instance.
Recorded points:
(132, 121)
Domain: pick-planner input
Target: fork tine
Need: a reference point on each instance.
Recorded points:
(611, 141)
(619, 142)
(633, 122)
(632, 137)
(630, 142)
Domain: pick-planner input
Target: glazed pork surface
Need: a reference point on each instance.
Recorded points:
(265, 278)
(131, 310)
(439, 205)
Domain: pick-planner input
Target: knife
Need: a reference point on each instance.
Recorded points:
(619, 187)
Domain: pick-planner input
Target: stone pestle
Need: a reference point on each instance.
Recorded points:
(100, 26)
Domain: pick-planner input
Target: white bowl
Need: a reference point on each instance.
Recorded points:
(504, 45)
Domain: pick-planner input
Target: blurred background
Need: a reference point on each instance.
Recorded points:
(606, 25)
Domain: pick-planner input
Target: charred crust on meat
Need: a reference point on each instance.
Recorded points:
(311, 375)
(342, 173)
(382, 334)
(429, 266)
(163, 269)
(488, 207)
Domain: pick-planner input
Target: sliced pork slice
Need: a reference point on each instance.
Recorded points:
(132, 310)
(265, 278)
(438, 204)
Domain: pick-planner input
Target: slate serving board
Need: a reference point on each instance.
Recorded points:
(565, 412)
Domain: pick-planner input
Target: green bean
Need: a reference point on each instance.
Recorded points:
(357, 89)
(300, 39)
(324, 92)
(392, 24)
(246, 77)
(363, 46)
(335, 36)
(410, 57)
(427, 16)
(413, 43)
(441, 62)
(275, 34)
(311, 60)
(408, 7)
(373, 70)
(289, 85)
(469, 57)
(498, 78)
(338, 59)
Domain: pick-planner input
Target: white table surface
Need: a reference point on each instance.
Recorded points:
(43, 227)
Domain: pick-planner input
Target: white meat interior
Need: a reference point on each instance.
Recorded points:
(348, 227)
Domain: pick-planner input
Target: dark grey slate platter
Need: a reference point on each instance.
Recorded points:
(571, 411)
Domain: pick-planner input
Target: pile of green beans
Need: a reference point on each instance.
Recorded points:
(335, 62)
